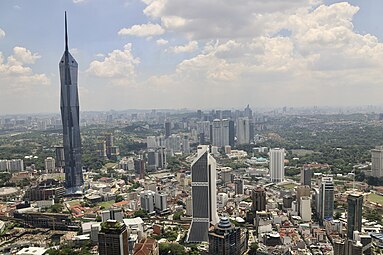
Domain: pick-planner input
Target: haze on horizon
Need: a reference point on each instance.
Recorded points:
(192, 54)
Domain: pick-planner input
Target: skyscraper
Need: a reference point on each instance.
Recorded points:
(277, 165)
(306, 174)
(243, 131)
(377, 161)
(204, 195)
(113, 238)
(225, 238)
(354, 214)
(258, 197)
(220, 132)
(70, 115)
(326, 199)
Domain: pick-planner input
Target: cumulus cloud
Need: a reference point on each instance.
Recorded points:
(117, 64)
(318, 58)
(16, 75)
(143, 30)
(162, 41)
(2, 33)
(189, 47)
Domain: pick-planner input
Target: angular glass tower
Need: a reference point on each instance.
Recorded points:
(69, 105)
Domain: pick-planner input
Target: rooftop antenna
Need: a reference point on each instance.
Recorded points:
(66, 35)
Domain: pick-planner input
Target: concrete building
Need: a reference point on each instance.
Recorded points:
(225, 238)
(239, 186)
(204, 195)
(306, 174)
(277, 165)
(113, 238)
(377, 161)
(243, 131)
(112, 214)
(50, 164)
(258, 197)
(305, 209)
(160, 201)
(220, 132)
(147, 200)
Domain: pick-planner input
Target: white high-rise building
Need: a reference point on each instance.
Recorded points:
(220, 132)
(185, 144)
(305, 209)
(50, 164)
(160, 201)
(277, 165)
(377, 161)
(243, 130)
(147, 200)
(204, 195)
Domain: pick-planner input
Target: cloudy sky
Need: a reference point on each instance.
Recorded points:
(192, 54)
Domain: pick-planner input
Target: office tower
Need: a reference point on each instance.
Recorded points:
(231, 133)
(277, 165)
(248, 112)
(50, 164)
(147, 200)
(377, 161)
(243, 131)
(306, 174)
(59, 155)
(252, 130)
(220, 132)
(302, 191)
(305, 208)
(70, 115)
(326, 199)
(160, 201)
(113, 238)
(168, 126)
(185, 144)
(112, 151)
(258, 197)
(101, 148)
(239, 186)
(354, 214)
(112, 214)
(204, 195)
(225, 238)
(139, 167)
(203, 127)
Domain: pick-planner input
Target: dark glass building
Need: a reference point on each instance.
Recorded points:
(70, 116)
(225, 238)
(354, 214)
(113, 238)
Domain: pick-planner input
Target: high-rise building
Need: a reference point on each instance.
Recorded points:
(248, 112)
(239, 186)
(112, 151)
(147, 200)
(70, 115)
(258, 197)
(243, 131)
(139, 167)
(225, 238)
(50, 164)
(60, 158)
(305, 209)
(168, 126)
(377, 161)
(302, 191)
(101, 148)
(112, 214)
(326, 199)
(306, 174)
(354, 214)
(231, 133)
(220, 132)
(113, 238)
(204, 195)
(160, 201)
(185, 144)
(277, 165)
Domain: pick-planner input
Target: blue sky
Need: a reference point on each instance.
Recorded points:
(192, 54)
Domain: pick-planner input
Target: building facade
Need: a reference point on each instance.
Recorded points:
(277, 165)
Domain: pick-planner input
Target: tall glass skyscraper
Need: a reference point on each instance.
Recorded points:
(354, 214)
(70, 115)
(204, 195)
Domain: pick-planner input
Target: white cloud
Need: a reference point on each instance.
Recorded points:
(2, 33)
(189, 47)
(119, 64)
(79, 1)
(15, 74)
(162, 41)
(143, 30)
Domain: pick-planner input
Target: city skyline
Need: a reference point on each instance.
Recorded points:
(152, 54)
